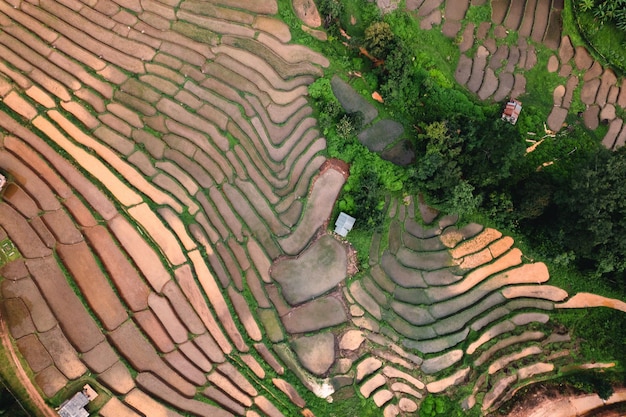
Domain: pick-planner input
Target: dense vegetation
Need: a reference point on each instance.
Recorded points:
(603, 25)
(564, 202)
(566, 197)
(9, 406)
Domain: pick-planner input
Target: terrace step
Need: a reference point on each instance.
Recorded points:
(51, 381)
(21, 233)
(100, 358)
(42, 194)
(19, 320)
(93, 284)
(127, 280)
(153, 328)
(77, 324)
(34, 352)
(142, 254)
(285, 68)
(509, 341)
(326, 189)
(147, 406)
(131, 344)
(53, 178)
(115, 408)
(47, 14)
(63, 355)
(207, 281)
(168, 318)
(117, 378)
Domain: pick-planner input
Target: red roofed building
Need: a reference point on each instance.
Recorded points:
(511, 111)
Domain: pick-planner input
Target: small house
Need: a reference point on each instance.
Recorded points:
(75, 406)
(511, 111)
(344, 224)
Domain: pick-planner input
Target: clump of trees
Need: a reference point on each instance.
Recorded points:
(379, 40)
(440, 405)
(584, 216)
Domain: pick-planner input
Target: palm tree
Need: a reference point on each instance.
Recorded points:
(586, 5)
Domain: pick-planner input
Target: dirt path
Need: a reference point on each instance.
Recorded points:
(34, 395)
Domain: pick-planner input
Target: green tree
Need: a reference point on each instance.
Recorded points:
(330, 10)
(592, 212)
(345, 127)
(329, 108)
(464, 202)
(438, 168)
(379, 40)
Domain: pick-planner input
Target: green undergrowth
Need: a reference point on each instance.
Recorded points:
(14, 399)
(441, 405)
(9, 404)
(478, 14)
(570, 25)
(605, 41)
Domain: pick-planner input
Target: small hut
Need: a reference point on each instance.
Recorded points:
(75, 406)
(344, 224)
(511, 111)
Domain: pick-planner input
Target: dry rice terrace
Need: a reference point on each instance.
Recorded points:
(169, 200)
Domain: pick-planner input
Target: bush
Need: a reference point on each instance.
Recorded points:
(440, 405)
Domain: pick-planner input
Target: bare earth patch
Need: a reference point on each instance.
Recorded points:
(307, 12)
(318, 208)
(314, 272)
(584, 300)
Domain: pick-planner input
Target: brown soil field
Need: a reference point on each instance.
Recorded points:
(77, 325)
(93, 284)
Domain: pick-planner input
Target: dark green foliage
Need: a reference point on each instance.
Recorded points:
(586, 5)
(591, 383)
(439, 405)
(533, 197)
(607, 11)
(368, 197)
(603, 337)
(594, 204)
(462, 159)
(371, 180)
(9, 406)
(345, 128)
(401, 80)
(330, 10)
(468, 161)
(327, 105)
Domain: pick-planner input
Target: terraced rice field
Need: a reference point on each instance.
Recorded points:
(167, 218)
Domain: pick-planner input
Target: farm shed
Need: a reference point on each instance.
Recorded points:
(512, 111)
(344, 224)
